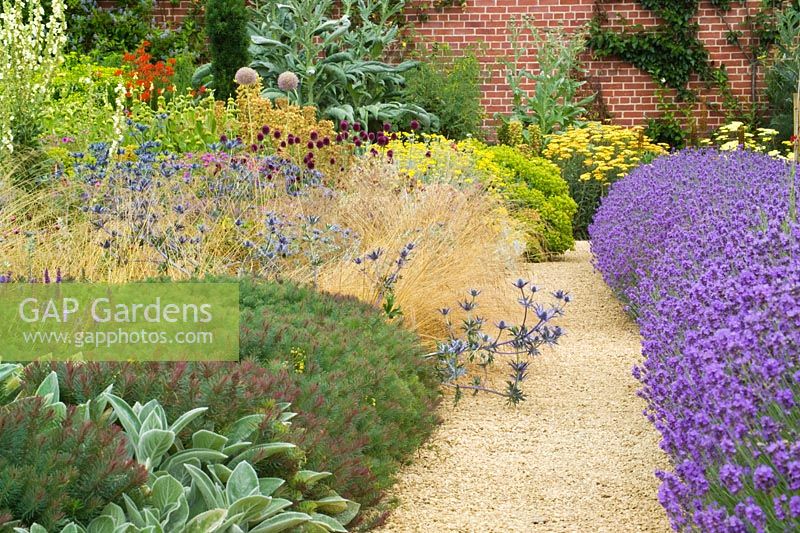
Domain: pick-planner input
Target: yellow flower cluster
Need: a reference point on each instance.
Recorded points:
(736, 134)
(606, 152)
(298, 360)
(431, 158)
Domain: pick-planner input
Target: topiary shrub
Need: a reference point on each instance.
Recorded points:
(364, 380)
(226, 27)
(541, 200)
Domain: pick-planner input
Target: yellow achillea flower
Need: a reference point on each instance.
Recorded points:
(605, 152)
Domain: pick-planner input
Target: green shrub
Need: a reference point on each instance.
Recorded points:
(56, 466)
(239, 474)
(229, 390)
(450, 88)
(538, 193)
(364, 379)
(362, 393)
(336, 51)
(226, 27)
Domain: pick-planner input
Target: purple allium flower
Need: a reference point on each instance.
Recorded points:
(356, 126)
(344, 125)
(246, 76)
(414, 125)
(288, 81)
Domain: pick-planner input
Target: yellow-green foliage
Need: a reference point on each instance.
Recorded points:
(539, 197)
(532, 187)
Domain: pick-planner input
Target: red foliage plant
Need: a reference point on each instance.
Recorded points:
(53, 470)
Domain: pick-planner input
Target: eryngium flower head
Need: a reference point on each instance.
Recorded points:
(246, 76)
(288, 81)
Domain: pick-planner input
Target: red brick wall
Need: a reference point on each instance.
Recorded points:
(628, 95)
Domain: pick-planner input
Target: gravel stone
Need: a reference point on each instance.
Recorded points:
(577, 456)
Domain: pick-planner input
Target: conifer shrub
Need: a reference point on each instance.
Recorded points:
(226, 28)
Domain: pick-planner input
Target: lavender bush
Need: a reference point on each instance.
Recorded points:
(702, 247)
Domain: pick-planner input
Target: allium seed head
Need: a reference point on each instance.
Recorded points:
(288, 81)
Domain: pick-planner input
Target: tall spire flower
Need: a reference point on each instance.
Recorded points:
(30, 50)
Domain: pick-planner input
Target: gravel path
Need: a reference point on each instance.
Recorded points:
(576, 456)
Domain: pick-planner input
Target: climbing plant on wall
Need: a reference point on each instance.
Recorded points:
(670, 53)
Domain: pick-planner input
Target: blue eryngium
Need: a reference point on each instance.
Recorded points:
(469, 345)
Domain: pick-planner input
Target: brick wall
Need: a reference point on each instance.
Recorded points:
(625, 94)
(628, 95)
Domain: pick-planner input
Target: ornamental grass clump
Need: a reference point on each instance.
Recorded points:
(703, 247)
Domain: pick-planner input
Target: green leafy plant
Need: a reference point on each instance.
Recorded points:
(359, 425)
(226, 28)
(212, 484)
(337, 61)
(539, 197)
(9, 381)
(448, 86)
(556, 102)
(297, 346)
(784, 72)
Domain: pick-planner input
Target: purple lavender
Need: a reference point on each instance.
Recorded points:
(701, 247)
